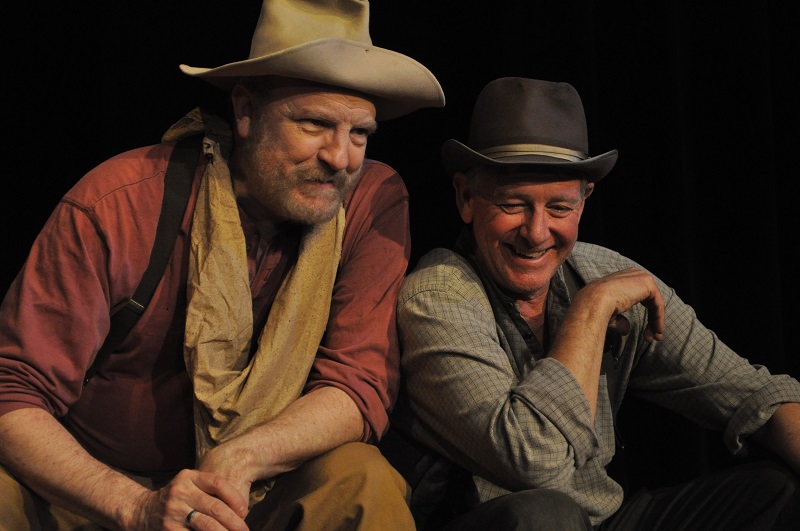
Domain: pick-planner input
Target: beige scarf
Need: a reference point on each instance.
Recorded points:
(234, 392)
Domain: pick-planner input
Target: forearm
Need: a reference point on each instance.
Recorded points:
(596, 309)
(781, 434)
(579, 347)
(37, 449)
(313, 424)
(460, 382)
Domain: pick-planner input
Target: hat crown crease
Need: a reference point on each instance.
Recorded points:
(531, 125)
(328, 42)
(282, 24)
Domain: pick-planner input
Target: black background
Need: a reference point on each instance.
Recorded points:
(700, 100)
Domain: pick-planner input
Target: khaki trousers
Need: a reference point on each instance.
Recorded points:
(349, 488)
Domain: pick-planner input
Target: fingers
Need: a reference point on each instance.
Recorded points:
(203, 522)
(620, 325)
(230, 462)
(622, 290)
(655, 321)
(656, 313)
(222, 489)
(203, 501)
(188, 520)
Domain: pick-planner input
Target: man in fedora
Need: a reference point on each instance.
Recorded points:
(250, 386)
(519, 344)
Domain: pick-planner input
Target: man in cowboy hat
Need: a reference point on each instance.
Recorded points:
(247, 389)
(519, 344)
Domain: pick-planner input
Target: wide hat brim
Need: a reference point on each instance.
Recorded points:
(395, 83)
(529, 125)
(458, 157)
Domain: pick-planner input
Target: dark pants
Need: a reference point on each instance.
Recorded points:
(760, 496)
(539, 509)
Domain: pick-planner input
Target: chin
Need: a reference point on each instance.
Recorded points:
(314, 216)
(527, 286)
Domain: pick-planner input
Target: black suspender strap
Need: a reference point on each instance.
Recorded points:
(177, 187)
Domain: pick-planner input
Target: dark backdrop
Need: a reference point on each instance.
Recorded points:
(700, 101)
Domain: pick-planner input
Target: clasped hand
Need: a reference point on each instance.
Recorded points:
(215, 491)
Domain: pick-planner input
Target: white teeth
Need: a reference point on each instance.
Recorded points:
(537, 254)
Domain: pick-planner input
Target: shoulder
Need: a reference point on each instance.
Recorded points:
(135, 172)
(379, 184)
(122, 199)
(442, 270)
(375, 171)
(593, 261)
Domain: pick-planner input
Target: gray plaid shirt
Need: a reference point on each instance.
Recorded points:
(484, 394)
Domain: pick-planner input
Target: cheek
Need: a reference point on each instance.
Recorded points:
(490, 237)
(567, 231)
(356, 157)
(286, 147)
(500, 228)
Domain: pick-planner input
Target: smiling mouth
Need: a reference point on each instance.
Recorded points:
(530, 255)
(324, 186)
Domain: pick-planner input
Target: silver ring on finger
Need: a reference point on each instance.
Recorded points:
(189, 518)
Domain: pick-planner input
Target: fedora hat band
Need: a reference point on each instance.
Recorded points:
(515, 150)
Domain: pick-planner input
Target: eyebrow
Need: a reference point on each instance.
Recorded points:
(371, 126)
(324, 115)
(499, 196)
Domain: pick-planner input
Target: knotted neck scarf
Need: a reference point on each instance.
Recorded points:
(234, 392)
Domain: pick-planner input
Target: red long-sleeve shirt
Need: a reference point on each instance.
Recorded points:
(136, 412)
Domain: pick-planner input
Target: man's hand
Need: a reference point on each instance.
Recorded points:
(311, 425)
(37, 449)
(622, 290)
(219, 505)
(781, 434)
(233, 461)
(597, 309)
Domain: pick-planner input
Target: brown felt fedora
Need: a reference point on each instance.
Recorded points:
(328, 42)
(530, 125)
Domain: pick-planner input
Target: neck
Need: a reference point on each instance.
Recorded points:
(266, 225)
(533, 311)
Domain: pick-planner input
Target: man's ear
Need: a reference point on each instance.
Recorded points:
(586, 194)
(589, 190)
(463, 196)
(242, 102)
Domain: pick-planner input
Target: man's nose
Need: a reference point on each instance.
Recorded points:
(534, 228)
(336, 151)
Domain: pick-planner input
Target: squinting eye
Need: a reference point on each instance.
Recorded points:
(560, 209)
(512, 208)
(359, 137)
(313, 122)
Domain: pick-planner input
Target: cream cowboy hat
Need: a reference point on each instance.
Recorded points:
(531, 125)
(328, 42)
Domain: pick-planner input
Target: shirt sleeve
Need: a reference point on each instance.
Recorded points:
(54, 316)
(518, 434)
(359, 353)
(691, 371)
(694, 373)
